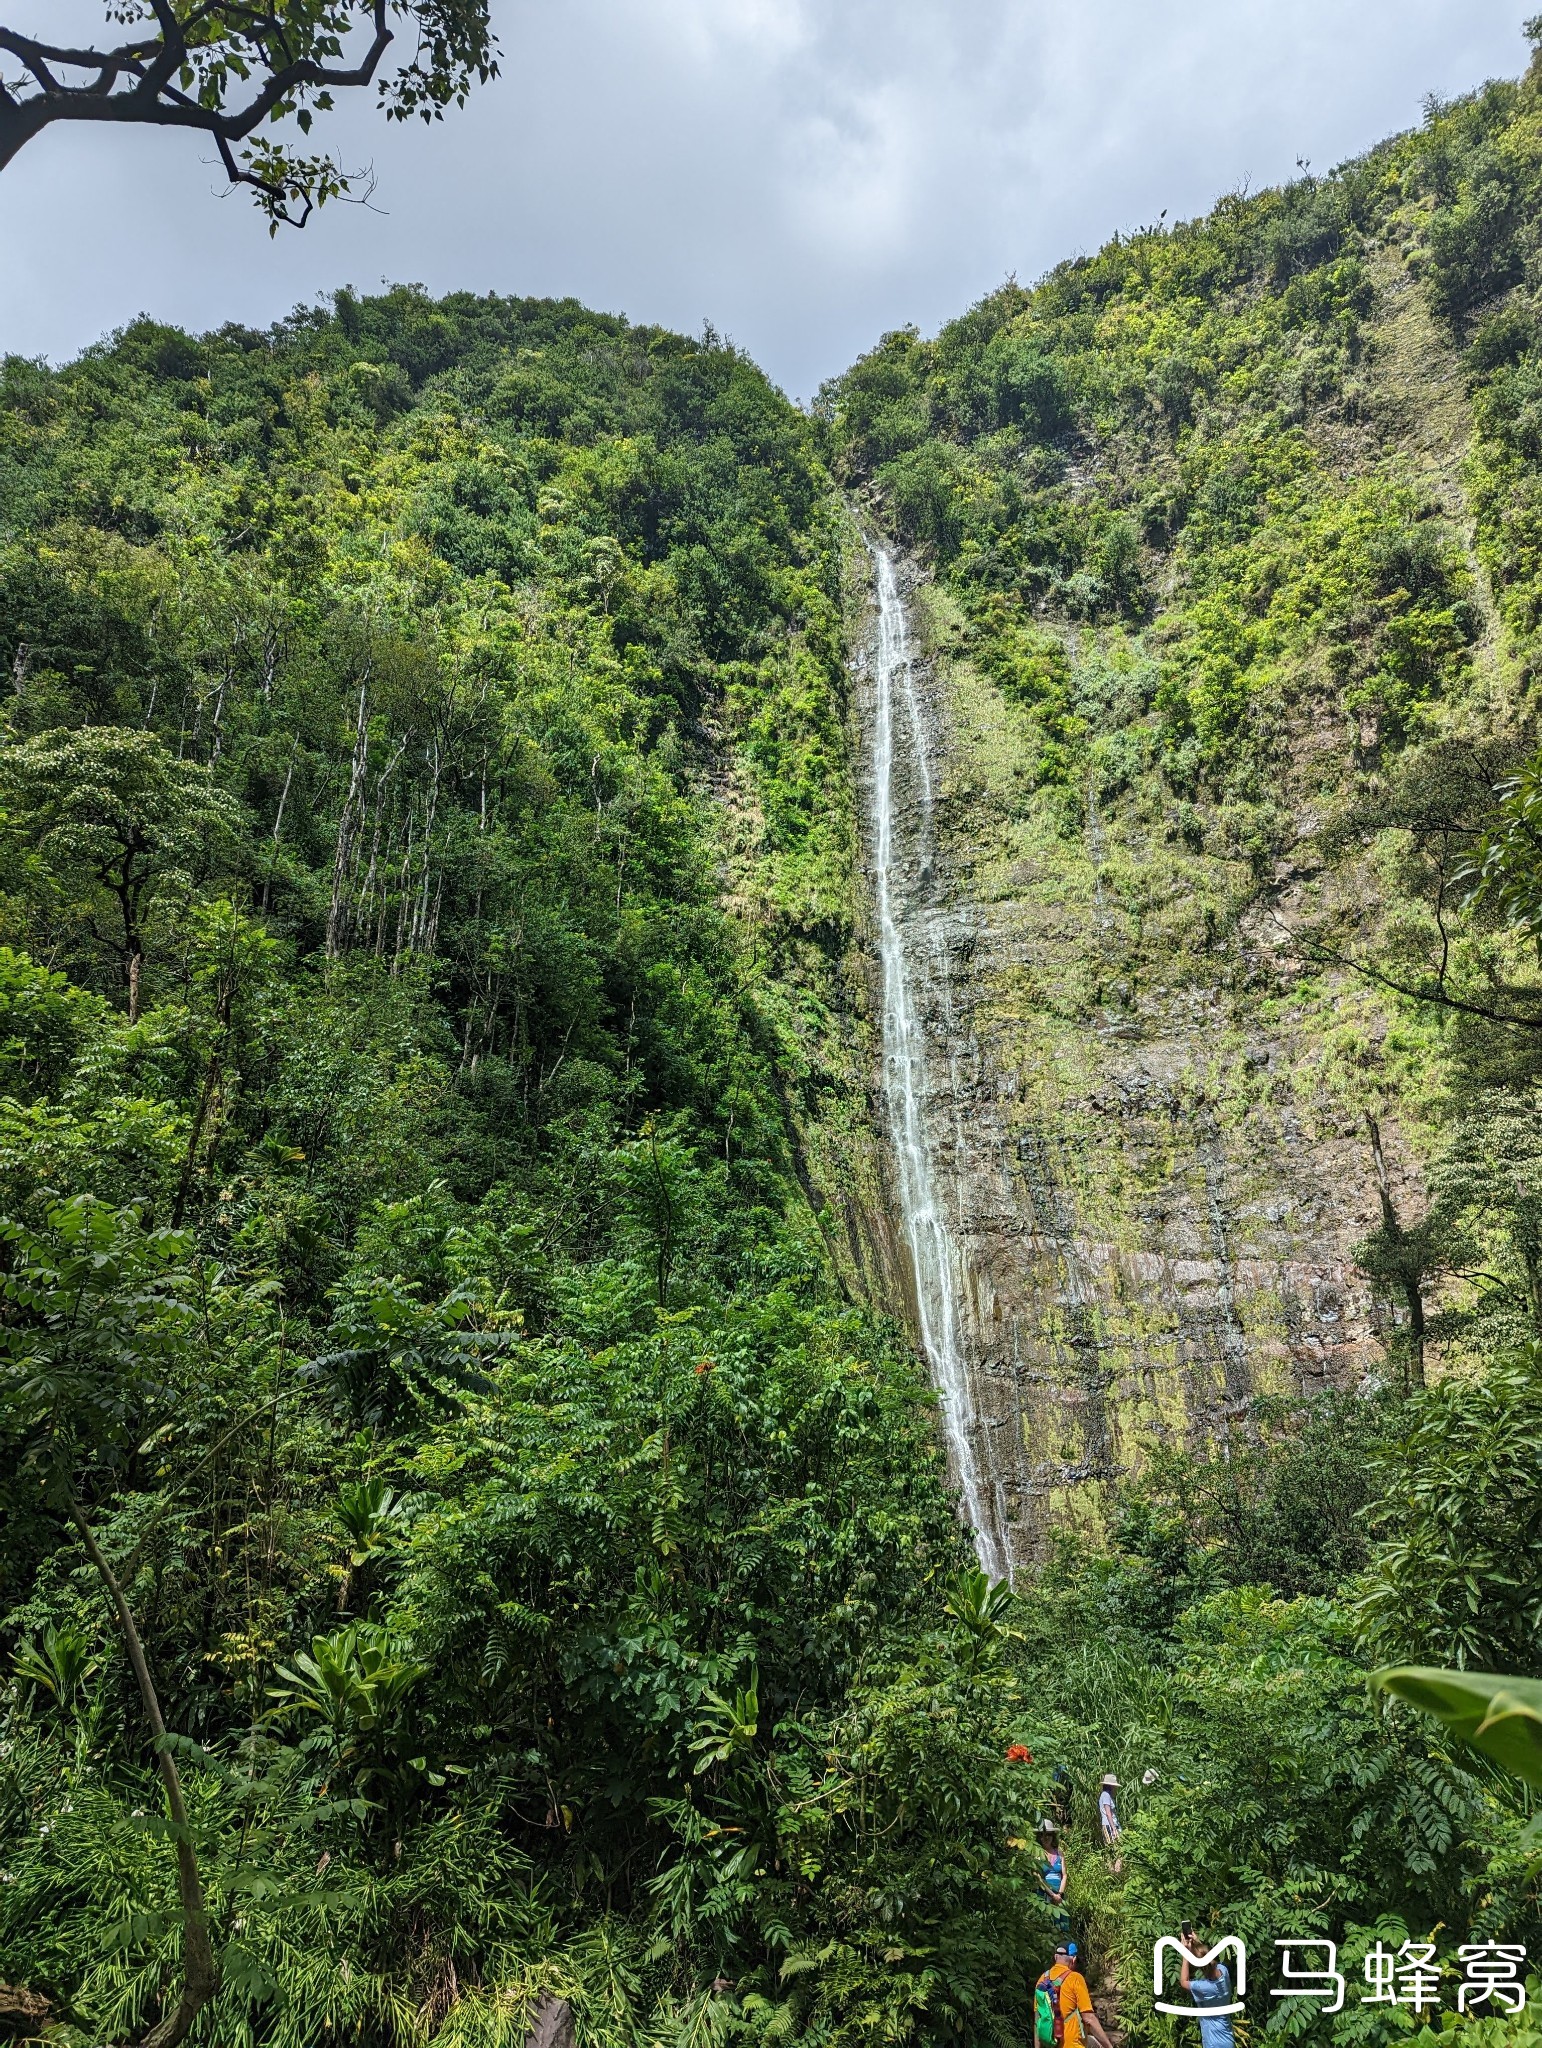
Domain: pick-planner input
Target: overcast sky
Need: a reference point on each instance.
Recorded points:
(804, 173)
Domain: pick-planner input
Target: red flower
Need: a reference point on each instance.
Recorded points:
(1019, 1753)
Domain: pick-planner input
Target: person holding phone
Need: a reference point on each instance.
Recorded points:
(1207, 1983)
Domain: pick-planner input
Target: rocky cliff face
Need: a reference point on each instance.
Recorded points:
(1154, 1182)
(1153, 1204)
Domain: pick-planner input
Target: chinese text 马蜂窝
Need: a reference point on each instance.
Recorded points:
(1308, 1967)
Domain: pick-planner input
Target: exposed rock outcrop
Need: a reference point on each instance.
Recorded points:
(1152, 1204)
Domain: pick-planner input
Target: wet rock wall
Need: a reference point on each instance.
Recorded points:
(1155, 1189)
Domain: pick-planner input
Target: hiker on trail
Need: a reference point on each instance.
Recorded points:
(1209, 1984)
(1108, 1820)
(1052, 1875)
(1062, 2005)
(1107, 1814)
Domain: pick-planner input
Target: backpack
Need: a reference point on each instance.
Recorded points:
(1048, 2026)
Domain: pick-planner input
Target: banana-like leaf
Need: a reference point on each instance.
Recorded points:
(1500, 1716)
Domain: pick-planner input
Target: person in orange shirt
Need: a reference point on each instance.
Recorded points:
(1077, 2018)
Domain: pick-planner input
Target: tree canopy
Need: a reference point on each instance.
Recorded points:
(237, 73)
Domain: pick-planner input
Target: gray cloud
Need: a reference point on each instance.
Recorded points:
(804, 173)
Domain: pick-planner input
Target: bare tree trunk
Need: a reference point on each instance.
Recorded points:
(211, 1082)
(278, 824)
(1532, 1255)
(213, 1077)
(1413, 1291)
(373, 872)
(403, 894)
(19, 123)
(431, 936)
(200, 1973)
(345, 827)
(216, 732)
(418, 933)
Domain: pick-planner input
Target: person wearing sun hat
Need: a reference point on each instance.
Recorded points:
(1108, 1820)
(1069, 2001)
(1052, 1874)
(1108, 1816)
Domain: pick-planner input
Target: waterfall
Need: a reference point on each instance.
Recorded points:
(934, 1255)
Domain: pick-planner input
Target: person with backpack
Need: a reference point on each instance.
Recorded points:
(1048, 2028)
(1062, 2005)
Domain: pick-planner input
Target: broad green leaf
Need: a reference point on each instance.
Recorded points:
(1500, 1716)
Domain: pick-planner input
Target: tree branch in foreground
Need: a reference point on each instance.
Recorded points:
(1435, 990)
(226, 69)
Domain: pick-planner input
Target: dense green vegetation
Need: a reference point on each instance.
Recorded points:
(1167, 430)
(1222, 1642)
(410, 1283)
(432, 1059)
(1235, 517)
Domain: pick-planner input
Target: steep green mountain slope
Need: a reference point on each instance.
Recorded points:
(428, 889)
(443, 1257)
(1232, 615)
(1229, 928)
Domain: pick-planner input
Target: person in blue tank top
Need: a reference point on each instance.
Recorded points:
(1210, 1984)
(1052, 1875)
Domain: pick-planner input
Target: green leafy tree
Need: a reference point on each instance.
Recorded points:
(662, 1193)
(357, 1685)
(118, 829)
(1457, 1520)
(1505, 868)
(59, 1666)
(93, 1333)
(374, 1522)
(506, 1310)
(1500, 1717)
(1402, 1257)
(233, 72)
(1486, 1207)
(1281, 1800)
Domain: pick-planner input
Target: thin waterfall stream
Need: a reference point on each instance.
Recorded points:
(902, 847)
